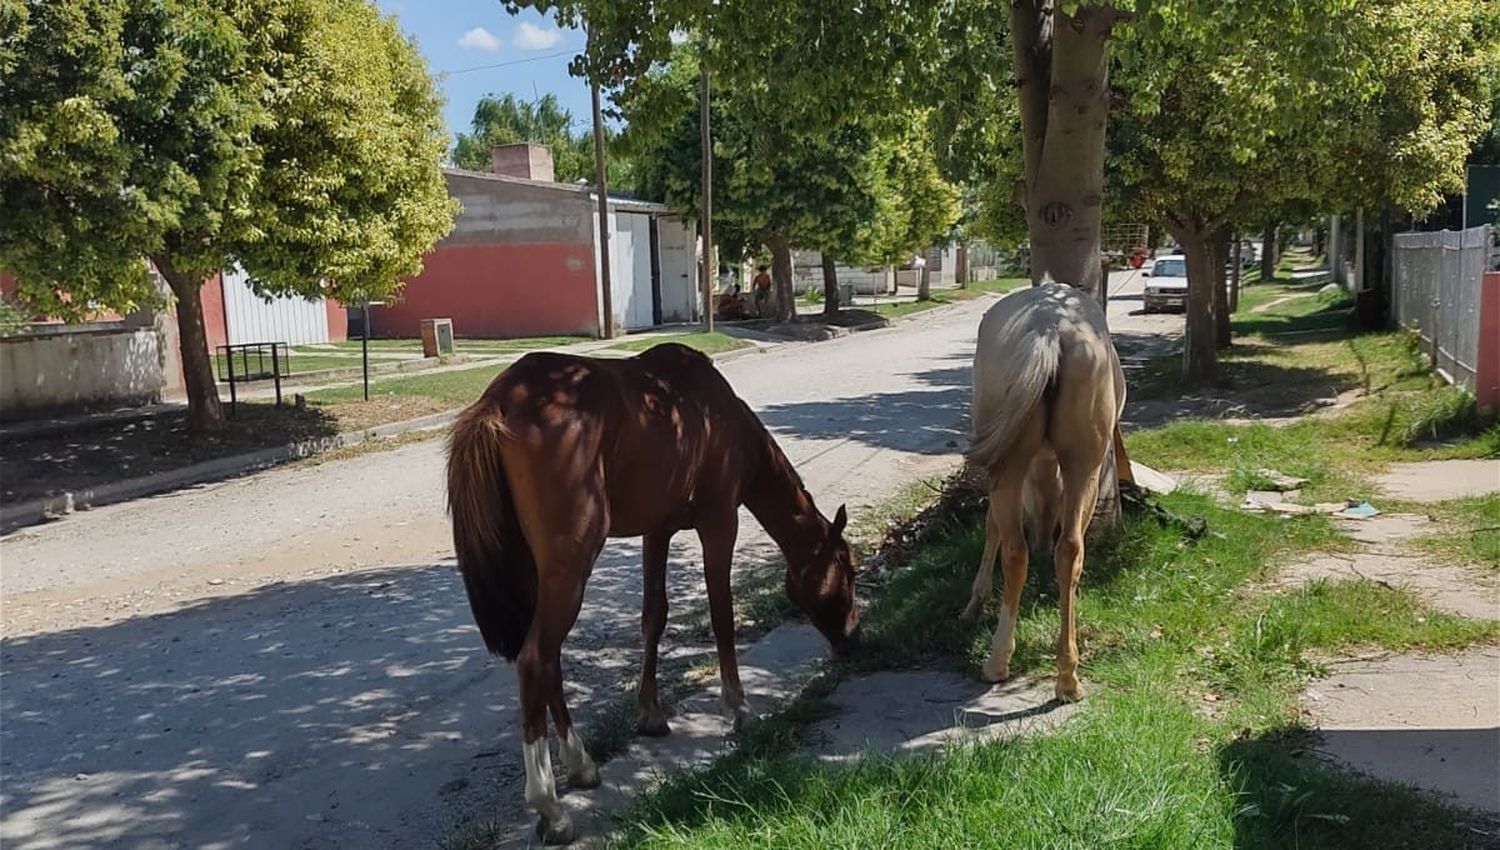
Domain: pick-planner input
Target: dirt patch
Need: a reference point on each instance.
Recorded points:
(819, 328)
(1267, 404)
(961, 499)
(358, 415)
(47, 464)
(1432, 722)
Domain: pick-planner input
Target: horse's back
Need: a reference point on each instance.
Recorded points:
(650, 427)
(1039, 348)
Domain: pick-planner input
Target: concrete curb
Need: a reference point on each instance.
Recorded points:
(13, 517)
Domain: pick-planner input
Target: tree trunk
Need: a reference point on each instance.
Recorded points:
(1063, 85)
(1219, 244)
(961, 266)
(830, 286)
(1270, 253)
(924, 283)
(1199, 353)
(204, 411)
(784, 299)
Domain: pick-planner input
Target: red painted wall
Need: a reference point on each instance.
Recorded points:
(9, 285)
(338, 321)
(1487, 377)
(212, 294)
(498, 291)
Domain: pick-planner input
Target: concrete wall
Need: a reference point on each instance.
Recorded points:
(79, 368)
(807, 273)
(519, 262)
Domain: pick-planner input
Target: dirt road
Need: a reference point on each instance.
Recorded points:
(288, 660)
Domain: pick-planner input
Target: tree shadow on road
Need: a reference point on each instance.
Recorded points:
(357, 710)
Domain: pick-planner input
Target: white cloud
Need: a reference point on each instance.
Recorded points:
(529, 36)
(479, 38)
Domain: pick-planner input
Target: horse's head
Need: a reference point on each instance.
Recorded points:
(824, 588)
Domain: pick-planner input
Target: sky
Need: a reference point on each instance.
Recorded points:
(459, 35)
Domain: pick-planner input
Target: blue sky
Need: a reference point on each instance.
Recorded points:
(456, 35)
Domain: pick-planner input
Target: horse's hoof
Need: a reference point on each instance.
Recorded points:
(994, 673)
(556, 832)
(742, 717)
(586, 778)
(1068, 689)
(653, 727)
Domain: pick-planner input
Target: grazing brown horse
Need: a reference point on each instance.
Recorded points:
(1048, 393)
(561, 452)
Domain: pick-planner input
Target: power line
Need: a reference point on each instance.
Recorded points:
(507, 64)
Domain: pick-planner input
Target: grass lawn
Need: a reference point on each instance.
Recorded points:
(462, 345)
(708, 343)
(454, 388)
(300, 361)
(1471, 533)
(1189, 740)
(1299, 350)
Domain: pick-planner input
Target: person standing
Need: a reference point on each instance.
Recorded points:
(762, 284)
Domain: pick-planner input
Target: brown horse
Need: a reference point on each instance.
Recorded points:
(561, 452)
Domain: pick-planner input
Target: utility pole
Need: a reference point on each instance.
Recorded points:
(603, 189)
(708, 201)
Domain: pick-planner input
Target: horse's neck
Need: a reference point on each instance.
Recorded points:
(782, 506)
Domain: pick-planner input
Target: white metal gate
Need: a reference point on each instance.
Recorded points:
(630, 270)
(250, 318)
(676, 244)
(1438, 279)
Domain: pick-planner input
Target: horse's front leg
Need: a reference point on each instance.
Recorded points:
(650, 720)
(717, 534)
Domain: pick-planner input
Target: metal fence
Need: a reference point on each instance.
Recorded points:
(1438, 277)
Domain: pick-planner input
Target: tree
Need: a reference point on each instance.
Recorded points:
(506, 120)
(858, 190)
(1242, 124)
(1061, 65)
(299, 139)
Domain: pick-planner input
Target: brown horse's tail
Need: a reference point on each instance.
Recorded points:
(497, 565)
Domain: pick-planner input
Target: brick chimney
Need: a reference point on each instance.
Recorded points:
(522, 159)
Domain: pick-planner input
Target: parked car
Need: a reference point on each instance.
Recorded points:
(1166, 285)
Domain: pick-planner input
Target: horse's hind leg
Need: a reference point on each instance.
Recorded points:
(717, 534)
(564, 559)
(1080, 457)
(538, 669)
(649, 717)
(1007, 533)
(582, 772)
(984, 578)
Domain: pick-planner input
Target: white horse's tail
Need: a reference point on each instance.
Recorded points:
(1017, 360)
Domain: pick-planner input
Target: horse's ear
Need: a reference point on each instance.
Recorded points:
(840, 520)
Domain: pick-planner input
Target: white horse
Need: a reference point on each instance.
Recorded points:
(1048, 393)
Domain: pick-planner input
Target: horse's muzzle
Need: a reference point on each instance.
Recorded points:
(848, 644)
